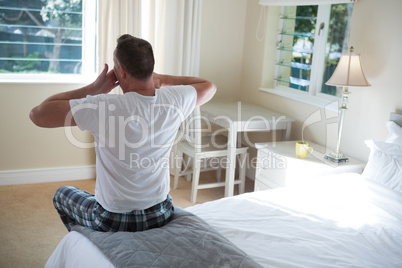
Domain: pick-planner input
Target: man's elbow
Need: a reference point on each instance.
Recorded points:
(213, 90)
(38, 118)
(206, 94)
(35, 118)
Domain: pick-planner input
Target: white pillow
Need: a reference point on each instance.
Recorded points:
(394, 133)
(384, 165)
(397, 118)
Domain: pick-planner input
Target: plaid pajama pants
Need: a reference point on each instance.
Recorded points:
(76, 206)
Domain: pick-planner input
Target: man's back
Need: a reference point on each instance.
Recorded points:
(133, 135)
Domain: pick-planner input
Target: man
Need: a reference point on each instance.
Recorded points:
(133, 132)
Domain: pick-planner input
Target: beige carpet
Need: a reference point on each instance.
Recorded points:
(30, 228)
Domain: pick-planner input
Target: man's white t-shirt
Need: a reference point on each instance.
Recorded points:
(133, 139)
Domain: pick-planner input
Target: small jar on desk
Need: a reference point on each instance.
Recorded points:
(278, 166)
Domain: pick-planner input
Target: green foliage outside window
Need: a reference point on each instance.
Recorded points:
(299, 32)
(47, 30)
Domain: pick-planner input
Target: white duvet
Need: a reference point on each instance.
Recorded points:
(338, 221)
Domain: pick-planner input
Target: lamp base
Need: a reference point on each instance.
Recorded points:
(336, 157)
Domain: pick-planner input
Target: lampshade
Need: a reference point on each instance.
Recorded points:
(349, 72)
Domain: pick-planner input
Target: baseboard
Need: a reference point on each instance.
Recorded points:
(43, 175)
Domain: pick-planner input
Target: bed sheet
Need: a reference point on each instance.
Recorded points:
(344, 221)
(75, 250)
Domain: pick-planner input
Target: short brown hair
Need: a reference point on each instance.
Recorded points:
(136, 56)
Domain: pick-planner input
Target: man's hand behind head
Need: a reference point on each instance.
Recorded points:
(105, 82)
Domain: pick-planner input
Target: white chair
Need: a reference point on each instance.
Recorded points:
(200, 150)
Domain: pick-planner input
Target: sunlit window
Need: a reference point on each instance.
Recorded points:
(311, 41)
(47, 40)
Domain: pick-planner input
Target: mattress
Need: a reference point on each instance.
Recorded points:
(342, 220)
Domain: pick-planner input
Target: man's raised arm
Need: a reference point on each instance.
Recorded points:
(205, 89)
(54, 111)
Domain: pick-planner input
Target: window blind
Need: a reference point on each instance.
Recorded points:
(303, 2)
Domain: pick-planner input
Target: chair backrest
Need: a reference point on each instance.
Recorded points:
(190, 129)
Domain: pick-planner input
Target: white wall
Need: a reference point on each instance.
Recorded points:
(26, 146)
(222, 37)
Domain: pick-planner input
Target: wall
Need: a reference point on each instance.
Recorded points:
(25, 146)
(222, 38)
(375, 34)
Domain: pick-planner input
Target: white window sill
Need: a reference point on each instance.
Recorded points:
(46, 79)
(329, 103)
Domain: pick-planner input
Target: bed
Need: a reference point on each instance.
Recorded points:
(342, 220)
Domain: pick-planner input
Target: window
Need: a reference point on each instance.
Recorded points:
(311, 41)
(47, 40)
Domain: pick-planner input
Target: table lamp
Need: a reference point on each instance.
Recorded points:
(348, 72)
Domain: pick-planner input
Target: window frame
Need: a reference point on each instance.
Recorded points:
(89, 57)
(314, 95)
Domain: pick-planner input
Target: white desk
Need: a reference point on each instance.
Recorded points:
(243, 117)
